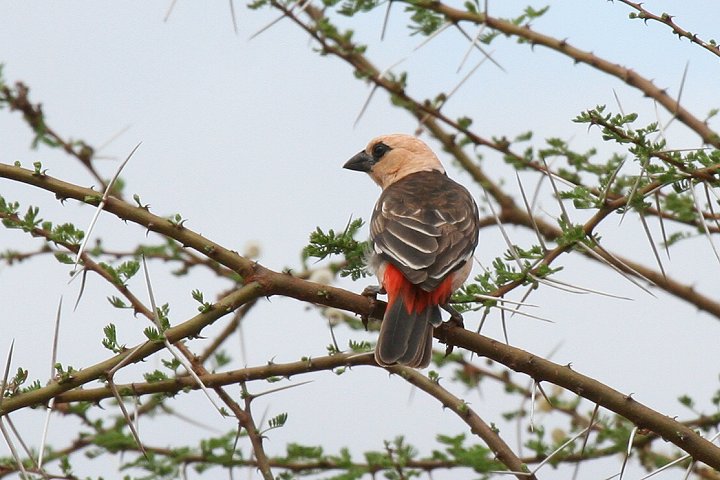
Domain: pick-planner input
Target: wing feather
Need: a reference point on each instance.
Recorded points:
(426, 225)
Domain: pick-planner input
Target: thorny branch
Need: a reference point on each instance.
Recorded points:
(667, 19)
(510, 212)
(18, 99)
(260, 281)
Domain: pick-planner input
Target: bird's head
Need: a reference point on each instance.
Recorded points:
(389, 158)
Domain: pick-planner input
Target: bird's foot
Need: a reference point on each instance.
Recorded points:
(371, 292)
(456, 319)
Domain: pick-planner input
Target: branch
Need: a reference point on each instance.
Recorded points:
(189, 328)
(261, 281)
(339, 45)
(477, 426)
(628, 76)
(33, 115)
(266, 281)
(543, 370)
(667, 19)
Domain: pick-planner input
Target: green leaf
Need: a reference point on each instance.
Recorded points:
(110, 341)
(278, 421)
(323, 245)
(63, 257)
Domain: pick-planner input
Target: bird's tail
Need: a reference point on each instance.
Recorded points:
(407, 328)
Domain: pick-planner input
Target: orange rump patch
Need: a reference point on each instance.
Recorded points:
(416, 299)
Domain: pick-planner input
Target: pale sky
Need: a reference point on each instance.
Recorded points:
(246, 140)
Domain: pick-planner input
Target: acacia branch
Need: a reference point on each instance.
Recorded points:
(477, 426)
(626, 75)
(261, 281)
(189, 328)
(667, 19)
(18, 99)
(543, 370)
(337, 44)
(267, 281)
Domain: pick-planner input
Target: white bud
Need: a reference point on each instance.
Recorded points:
(333, 315)
(252, 250)
(322, 275)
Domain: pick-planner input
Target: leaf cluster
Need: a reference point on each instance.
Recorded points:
(323, 245)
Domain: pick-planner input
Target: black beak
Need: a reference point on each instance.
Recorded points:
(362, 162)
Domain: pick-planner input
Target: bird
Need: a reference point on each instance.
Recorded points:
(423, 233)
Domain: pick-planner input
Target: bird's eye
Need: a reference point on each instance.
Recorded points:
(379, 150)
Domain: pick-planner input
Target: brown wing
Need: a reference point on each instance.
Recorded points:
(426, 225)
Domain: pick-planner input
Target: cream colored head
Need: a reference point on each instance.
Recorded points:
(389, 158)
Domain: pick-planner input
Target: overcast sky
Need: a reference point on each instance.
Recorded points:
(246, 140)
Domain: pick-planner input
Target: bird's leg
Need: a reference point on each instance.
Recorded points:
(456, 319)
(371, 292)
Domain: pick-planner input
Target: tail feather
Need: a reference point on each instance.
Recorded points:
(419, 349)
(406, 331)
(406, 338)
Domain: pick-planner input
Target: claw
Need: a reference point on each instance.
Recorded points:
(456, 319)
(371, 292)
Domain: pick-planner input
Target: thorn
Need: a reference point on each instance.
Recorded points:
(504, 327)
(652, 244)
(502, 300)
(599, 257)
(385, 20)
(51, 403)
(582, 290)
(169, 11)
(332, 336)
(703, 222)
(112, 138)
(517, 311)
(510, 245)
(279, 389)
(183, 361)
(713, 215)
(482, 320)
(633, 190)
(470, 48)
(82, 285)
(617, 100)
(555, 189)
(627, 453)
(100, 207)
(532, 405)
(606, 192)
(487, 55)
(374, 87)
(232, 16)
(12, 448)
(464, 79)
(530, 214)
(437, 32)
(585, 440)
(365, 105)
(284, 14)
(6, 374)
(128, 420)
(662, 224)
(559, 449)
